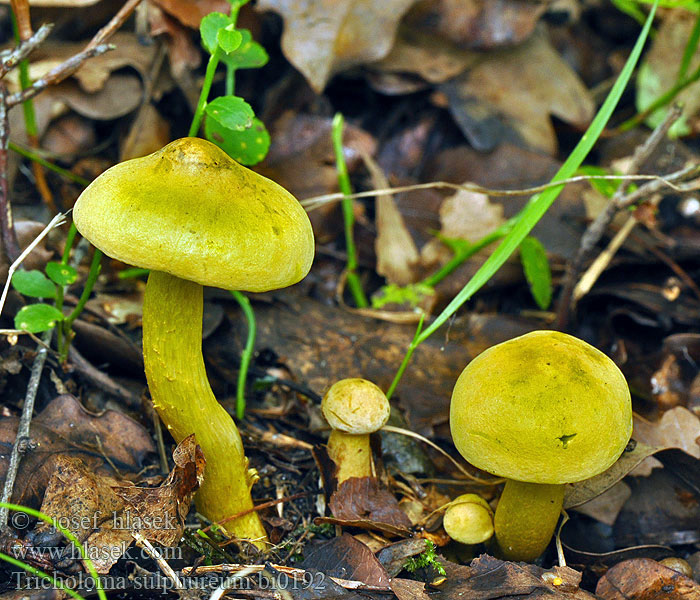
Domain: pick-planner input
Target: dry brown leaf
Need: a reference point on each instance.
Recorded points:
(523, 85)
(191, 12)
(465, 215)
(488, 578)
(149, 132)
(65, 427)
(361, 498)
(183, 54)
(397, 255)
(58, 3)
(104, 513)
(645, 579)
(607, 506)
(482, 24)
(324, 37)
(678, 428)
(435, 59)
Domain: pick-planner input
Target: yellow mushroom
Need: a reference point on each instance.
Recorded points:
(541, 410)
(354, 408)
(195, 217)
(468, 519)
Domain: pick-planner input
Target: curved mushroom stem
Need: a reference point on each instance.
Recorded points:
(526, 516)
(177, 379)
(351, 454)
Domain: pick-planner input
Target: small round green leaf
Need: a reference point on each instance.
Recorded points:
(249, 55)
(231, 112)
(36, 318)
(61, 274)
(228, 38)
(537, 272)
(34, 284)
(248, 147)
(209, 28)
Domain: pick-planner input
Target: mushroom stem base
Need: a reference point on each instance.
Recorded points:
(177, 379)
(526, 517)
(351, 454)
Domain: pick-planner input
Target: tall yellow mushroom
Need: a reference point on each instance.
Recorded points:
(195, 217)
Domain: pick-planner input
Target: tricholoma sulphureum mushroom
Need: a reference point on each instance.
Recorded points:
(195, 217)
(541, 410)
(354, 408)
(468, 519)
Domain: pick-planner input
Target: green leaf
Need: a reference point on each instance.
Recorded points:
(231, 112)
(61, 274)
(33, 284)
(249, 55)
(537, 272)
(248, 147)
(228, 38)
(36, 318)
(606, 187)
(209, 29)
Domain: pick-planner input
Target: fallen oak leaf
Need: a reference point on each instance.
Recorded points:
(362, 499)
(104, 513)
(645, 579)
(322, 38)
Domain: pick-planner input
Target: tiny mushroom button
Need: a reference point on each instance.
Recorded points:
(354, 408)
(541, 410)
(196, 217)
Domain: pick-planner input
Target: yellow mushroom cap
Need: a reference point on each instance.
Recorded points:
(192, 211)
(545, 407)
(468, 519)
(355, 406)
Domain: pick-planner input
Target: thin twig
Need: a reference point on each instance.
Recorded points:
(95, 47)
(160, 561)
(9, 60)
(10, 245)
(57, 74)
(597, 228)
(23, 426)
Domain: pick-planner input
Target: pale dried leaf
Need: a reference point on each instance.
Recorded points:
(524, 85)
(397, 255)
(678, 428)
(323, 37)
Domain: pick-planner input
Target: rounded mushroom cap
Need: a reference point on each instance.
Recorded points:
(192, 211)
(355, 406)
(545, 407)
(468, 519)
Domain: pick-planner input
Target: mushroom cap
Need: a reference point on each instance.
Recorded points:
(468, 519)
(355, 406)
(545, 407)
(192, 211)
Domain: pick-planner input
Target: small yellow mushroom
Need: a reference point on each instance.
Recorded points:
(468, 519)
(354, 408)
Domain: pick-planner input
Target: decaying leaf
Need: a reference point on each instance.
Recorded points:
(435, 59)
(347, 558)
(397, 254)
(678, 428)
(103, 513)
(322, 38)
(191, 12)
(645, 579)
(511, 93)
(361, 498)
(64, 427)
(488, 578)
(480, 24)
(467, 216)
